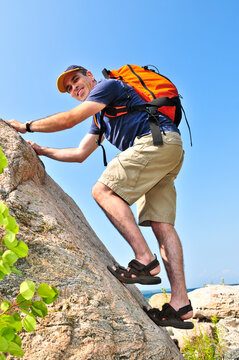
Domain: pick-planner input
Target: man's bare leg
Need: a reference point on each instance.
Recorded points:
(172, 255)
(121, 216)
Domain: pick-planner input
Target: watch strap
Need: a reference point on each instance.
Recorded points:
(28, 126)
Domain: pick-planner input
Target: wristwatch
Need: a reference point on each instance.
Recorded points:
(28, 124)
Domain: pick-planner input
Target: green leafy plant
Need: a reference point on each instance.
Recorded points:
(3, 161)
(30, 308)
(30, 303)
(165, 296)
(10, 248)
(202, 346)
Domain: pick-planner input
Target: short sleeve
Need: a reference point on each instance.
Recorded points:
(106, 91)
(93, 128)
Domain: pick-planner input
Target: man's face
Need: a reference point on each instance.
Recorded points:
(79, 85)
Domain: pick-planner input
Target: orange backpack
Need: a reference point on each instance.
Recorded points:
(158, 91)
(154, 88)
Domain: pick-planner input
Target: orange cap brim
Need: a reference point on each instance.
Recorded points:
(60, 81)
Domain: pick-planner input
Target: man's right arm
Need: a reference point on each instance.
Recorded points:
(85, 148)
(61, 121)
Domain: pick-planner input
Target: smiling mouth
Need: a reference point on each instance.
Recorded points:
(79, 92)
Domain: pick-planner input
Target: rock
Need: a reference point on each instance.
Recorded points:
(232, 355)
(157, 300)
(229, 329)
(221, 301)
(95, 317)
(213, 300)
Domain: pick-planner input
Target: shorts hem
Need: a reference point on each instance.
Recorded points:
(146, 221)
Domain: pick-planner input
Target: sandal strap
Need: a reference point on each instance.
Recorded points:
(122, 270)
(169, 312)
(153, 313)
(136, 267)
(153, 264)
(166, 313)
(185, 309)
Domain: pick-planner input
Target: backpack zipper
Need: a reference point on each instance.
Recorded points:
(142, 82)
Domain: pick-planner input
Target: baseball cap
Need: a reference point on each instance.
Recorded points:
(60, 80)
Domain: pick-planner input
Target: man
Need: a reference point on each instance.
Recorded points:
(142, 172)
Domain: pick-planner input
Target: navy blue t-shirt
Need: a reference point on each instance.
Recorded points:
(121, 131)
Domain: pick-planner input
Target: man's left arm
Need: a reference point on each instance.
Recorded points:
(60, 121)
(86, 147)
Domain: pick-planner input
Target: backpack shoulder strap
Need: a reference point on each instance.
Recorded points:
(101, 131)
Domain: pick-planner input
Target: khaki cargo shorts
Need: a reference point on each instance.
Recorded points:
(145, 173)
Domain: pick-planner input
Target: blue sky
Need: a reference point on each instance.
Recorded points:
(193, 43)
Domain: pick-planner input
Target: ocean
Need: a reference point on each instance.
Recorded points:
(148, 293)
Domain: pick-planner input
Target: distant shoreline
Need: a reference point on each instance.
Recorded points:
(148, 293)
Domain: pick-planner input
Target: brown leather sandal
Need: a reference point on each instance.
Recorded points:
(170, 317)
(141, 272)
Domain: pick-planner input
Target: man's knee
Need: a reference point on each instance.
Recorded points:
(96, 190)
(161, 227)
(100, 190)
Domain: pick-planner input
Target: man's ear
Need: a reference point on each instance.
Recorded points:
(89, 73)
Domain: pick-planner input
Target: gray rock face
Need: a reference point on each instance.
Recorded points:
(232, 355)
(95, 317)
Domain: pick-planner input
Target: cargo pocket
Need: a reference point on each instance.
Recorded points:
(126, 167)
